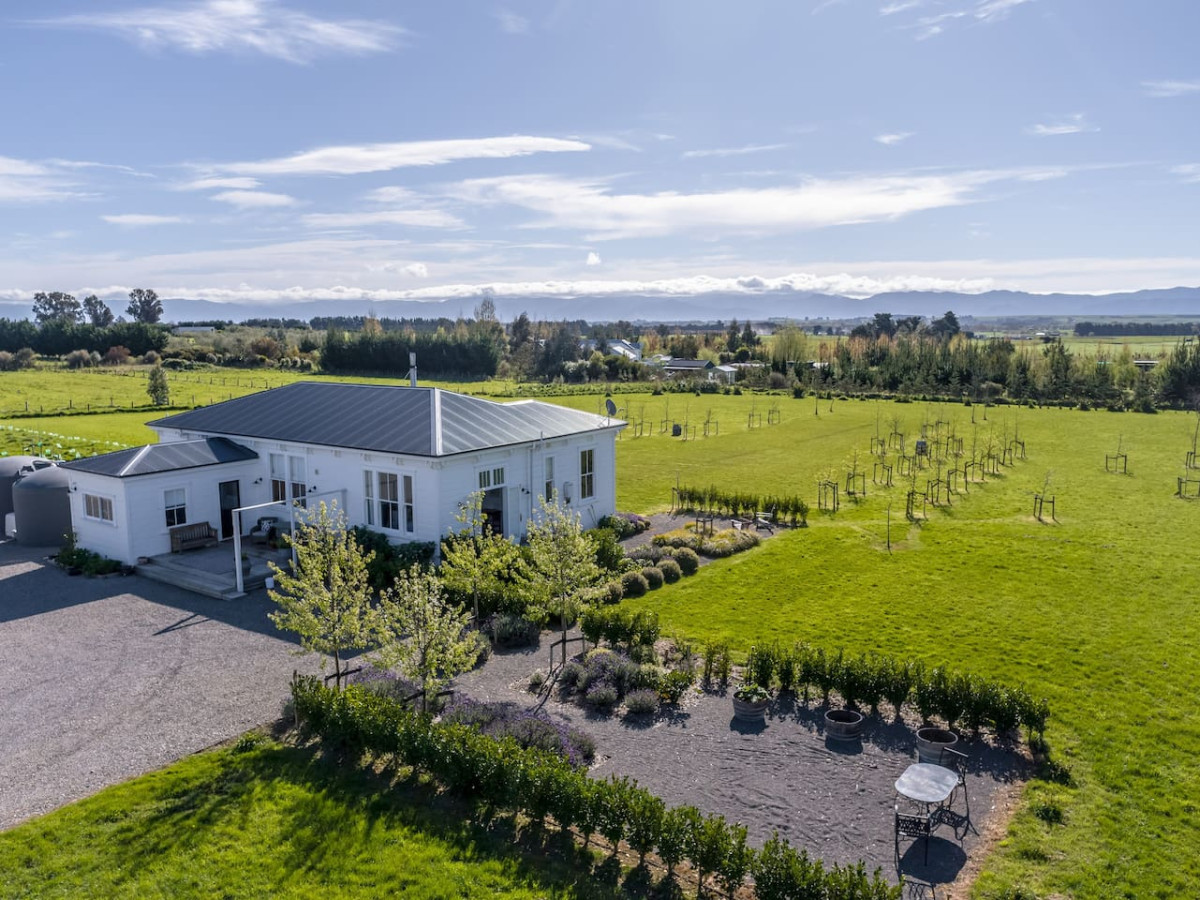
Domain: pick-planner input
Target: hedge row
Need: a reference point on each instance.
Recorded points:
(620, 627)
(790, 509)
(503, 776)
(871, 678)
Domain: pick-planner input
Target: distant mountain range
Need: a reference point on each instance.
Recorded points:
(757, 305)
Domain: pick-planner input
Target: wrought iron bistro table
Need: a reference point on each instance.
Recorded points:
(927, 783)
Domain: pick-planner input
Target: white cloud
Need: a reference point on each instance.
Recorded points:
(357, 159)
(731, 151)
(590, 206)
(593, 258)
(893, 138)
(995, 10)
(254, 199)
(892, 8)
(23, 181)
(1170, 88)
(420, 218)
(511, 23)
(210, 183)
(417, 270)
(240, 26)
(1076, 123)
(135, 220)
(1190, 172)
(393, 194)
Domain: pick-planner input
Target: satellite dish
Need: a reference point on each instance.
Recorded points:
(610, 406)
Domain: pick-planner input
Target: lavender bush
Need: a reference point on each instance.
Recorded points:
(529, 728)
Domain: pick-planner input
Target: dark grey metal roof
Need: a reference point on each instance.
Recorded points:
(688, 364)
(385, 418)
(168, 457)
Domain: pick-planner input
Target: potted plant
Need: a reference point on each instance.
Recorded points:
(843, 724)
(931, 741)
(750, 703)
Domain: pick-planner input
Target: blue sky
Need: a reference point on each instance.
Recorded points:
(270, 151)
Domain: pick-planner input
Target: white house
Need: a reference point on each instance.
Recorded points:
(399, 460)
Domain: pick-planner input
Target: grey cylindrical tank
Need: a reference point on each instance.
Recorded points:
(11, 468)
(42, 503)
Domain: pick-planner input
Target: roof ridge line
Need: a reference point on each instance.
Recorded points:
(136, 459)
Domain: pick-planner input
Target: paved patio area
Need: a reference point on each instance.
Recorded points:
(108, 678)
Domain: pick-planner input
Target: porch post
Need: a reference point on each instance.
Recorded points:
(237, 551)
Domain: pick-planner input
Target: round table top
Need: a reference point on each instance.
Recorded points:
(927, 783)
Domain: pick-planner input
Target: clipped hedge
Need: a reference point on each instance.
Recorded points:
(504, 776)
(869, 679)
(782, 509)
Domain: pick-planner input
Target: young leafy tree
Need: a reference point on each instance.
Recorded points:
(420, 634)
(564, 569)
(157, 387)
(325, 598)
(470, 561)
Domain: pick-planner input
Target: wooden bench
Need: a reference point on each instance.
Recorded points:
(192, 536)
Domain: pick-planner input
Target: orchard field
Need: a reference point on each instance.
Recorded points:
(1094, 609)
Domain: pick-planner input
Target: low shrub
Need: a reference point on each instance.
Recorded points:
(674, 685)
(625, 525)
(728, 542)
(602, 695)
(507, 630)
(642, 701)
(647, 553)
(573, 676)
(610, 555)
(90, 563)
(529, 728)
(654, 577)
(634, 584)
(671, 572)
(614, 592)
(687, 560)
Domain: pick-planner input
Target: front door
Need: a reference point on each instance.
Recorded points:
(231, 499)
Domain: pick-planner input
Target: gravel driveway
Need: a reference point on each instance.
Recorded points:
(103, 679)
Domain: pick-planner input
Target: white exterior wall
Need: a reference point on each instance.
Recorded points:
(139, 512)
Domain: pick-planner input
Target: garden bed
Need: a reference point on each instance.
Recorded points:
(833, 798)
(662, 523)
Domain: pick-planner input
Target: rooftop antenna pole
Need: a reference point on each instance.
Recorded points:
(412, 369)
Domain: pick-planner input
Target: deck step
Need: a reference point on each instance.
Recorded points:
(220, 587)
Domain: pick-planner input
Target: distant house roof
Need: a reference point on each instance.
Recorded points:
(385, 418)
(688, 364)
(169, 457)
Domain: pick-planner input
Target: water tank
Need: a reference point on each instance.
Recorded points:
(42, 503)
(11, 468)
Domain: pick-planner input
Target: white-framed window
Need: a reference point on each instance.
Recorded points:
(587, 474)
(278, 477)
(491, 478)
(98, 508)
(298, 478)
(548, 470)
(388, 498)
(175, 504)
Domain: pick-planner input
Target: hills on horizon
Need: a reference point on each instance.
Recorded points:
(704, 307)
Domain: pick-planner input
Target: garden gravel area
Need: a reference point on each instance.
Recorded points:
(108, 678)
(835, 800)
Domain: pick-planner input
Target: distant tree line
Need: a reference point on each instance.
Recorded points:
(58, 338)
(1129, 329)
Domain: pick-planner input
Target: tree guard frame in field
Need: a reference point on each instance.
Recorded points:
(910, 505)
(886, 470)
(774, 414)
(1039, 507)
(1117, 463)
(710, 422)
(895, 441)
(1183, 483)
(827, 496)
(878, 446)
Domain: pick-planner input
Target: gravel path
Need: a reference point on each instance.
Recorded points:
(105, 679)
(835, 800)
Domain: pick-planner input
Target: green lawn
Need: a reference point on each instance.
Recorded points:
(1096, 612)
(280, 822)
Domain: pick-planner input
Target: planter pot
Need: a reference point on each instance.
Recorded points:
(931, 741)
(843, 724)
(750, 711)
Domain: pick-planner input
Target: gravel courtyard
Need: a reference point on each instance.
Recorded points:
(833, 799)
(108, 678)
